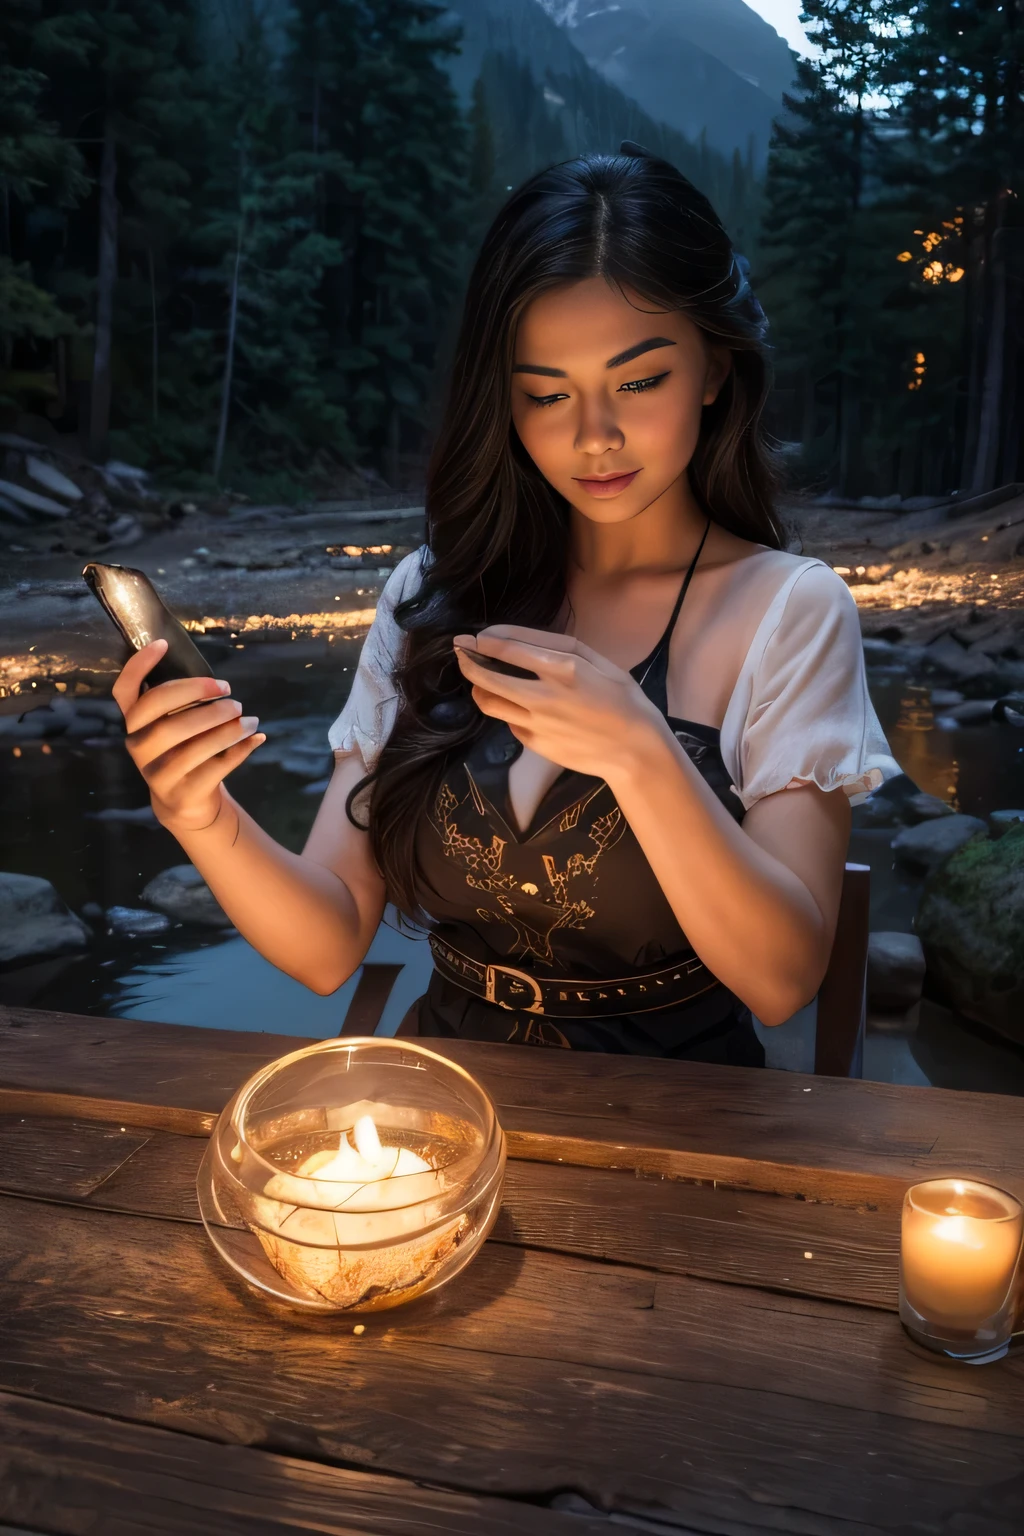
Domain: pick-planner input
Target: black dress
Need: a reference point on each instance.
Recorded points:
(571, 896)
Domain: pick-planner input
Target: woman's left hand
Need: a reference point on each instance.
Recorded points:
(582, 712)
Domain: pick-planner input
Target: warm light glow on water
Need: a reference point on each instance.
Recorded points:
(915, 588)
(308, 625)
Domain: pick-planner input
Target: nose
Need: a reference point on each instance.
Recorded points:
(598, 430)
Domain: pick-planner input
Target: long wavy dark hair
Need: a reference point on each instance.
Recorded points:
(497, 531)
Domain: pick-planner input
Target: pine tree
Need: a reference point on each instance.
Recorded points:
(959, 71)
(368, 75)
(278, 391)
(37, 165)
(829, 275)
(126, 93)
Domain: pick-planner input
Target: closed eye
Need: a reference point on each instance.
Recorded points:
(631, 386)
(637, 386)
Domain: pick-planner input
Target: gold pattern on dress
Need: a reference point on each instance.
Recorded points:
(482, 863)
(481, 866)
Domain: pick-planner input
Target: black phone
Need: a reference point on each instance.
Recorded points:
(133, 604)
(492, 664)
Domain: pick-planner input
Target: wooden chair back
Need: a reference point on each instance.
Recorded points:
(842, 999)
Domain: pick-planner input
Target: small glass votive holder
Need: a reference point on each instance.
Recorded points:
(960, 1267)
(353, 1175)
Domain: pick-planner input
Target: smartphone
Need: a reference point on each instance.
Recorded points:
(492, 664)
(131, 601)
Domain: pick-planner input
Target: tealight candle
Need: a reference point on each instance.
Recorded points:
(356, 1230)
(354, 1174)
(959, 1259)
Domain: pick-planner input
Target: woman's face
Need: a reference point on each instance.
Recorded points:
(607, 397)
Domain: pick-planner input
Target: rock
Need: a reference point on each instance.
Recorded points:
(924, 847)
(140, 816)
(31, 499)
(182, 893)
(35, 922)
(945, 698)
(99, 709)
(12, 512)
(922, 807)
(1000, 822)
(898, 790)
(1009, 710)
(125, 530)
(51, 479)
(948, 656)
(973, 712)
(971, 923)
(875, 811)
(135, 922)
(117, 470)
(31, 726)
(895, 971)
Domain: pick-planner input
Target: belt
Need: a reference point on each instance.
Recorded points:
(560, 997)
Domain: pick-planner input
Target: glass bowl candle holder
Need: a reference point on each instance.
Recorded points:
(353, 1175)
(960, 1262)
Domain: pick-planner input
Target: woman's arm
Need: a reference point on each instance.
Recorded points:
(758, 902)
(312, 914)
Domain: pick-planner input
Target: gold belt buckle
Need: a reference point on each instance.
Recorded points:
(510, 970)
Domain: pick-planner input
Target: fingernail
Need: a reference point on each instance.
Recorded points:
(249, 723)
(259, 738)
(222, 686)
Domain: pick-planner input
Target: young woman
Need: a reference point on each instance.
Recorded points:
(641, 841)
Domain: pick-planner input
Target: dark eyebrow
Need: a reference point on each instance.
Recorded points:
(613, 362)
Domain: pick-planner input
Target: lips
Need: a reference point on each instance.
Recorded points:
(609, 485)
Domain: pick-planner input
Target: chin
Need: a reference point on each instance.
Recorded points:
(611, 511)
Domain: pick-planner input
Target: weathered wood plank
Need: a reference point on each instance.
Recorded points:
(717, 1407)
(824, 1138)
(79, 1474)
(770, 1241)
(66, 1157)
(16, 1102)
(666, 1225)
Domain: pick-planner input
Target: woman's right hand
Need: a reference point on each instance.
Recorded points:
(183, 757)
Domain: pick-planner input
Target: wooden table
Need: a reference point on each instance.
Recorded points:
(684, 1322)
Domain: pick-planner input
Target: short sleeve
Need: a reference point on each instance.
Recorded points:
(801, 712)
(370, 711)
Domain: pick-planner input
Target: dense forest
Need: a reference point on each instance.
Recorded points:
(892, 248)
(234, 233)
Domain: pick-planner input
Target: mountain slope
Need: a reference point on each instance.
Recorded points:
(709, 66)
(547, 102)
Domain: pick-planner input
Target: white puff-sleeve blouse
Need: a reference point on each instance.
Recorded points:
(800, 711)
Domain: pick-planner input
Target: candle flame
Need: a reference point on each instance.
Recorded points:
(364, 1134)
(957, 1229)
(958, 1188)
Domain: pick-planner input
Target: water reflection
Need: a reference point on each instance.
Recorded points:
(203, 977)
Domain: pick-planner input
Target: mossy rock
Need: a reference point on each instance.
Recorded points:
(971, 923)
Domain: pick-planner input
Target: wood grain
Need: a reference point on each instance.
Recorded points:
(39, 1155)
(856, 1143)
(716, 1407)
(665, 1225)
(80, 1474)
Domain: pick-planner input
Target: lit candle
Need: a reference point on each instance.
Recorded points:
(959, 1254)
(334, 1225)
